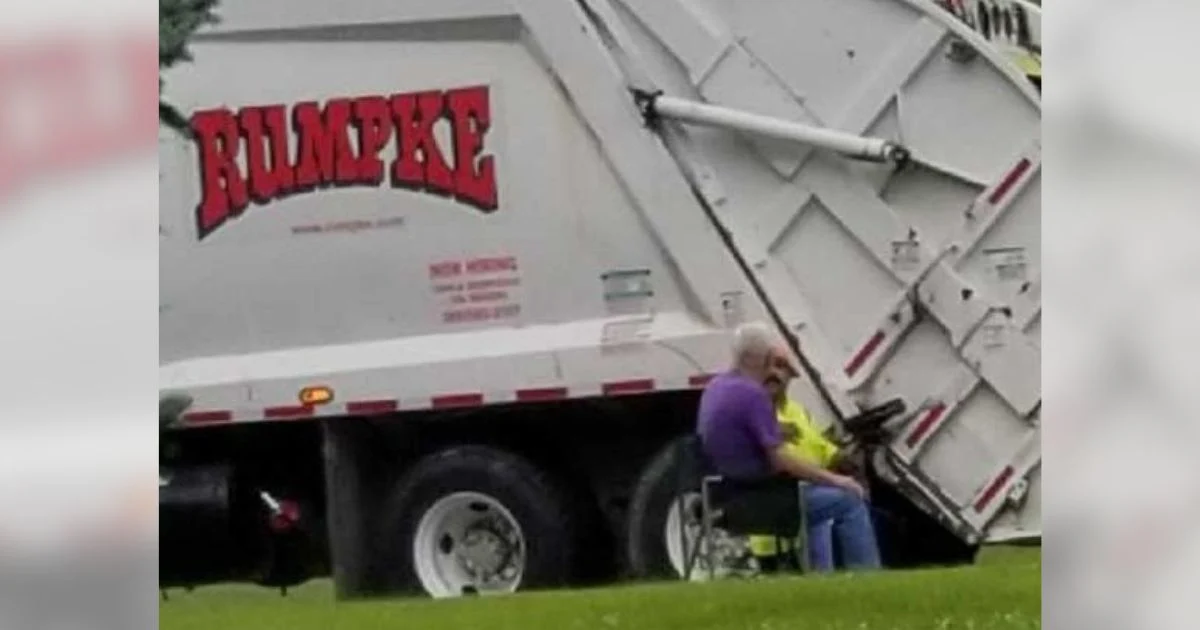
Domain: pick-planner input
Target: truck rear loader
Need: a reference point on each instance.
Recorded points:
(441, 282)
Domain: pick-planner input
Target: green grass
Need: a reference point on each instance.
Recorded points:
(1002, 591)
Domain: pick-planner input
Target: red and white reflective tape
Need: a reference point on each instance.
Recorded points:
(1010, 180)
(925, 426)
(880, 342)
(372, 407)
(993, 488)
(542, 394)
(197, 418)
(457, 400)
(864, 353)
(289, 412)
(625, 388)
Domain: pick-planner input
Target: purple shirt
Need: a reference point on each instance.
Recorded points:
(738, 426)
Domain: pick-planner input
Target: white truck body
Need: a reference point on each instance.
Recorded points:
(548, 245)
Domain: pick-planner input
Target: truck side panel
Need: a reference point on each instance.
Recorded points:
(403, 295)
(354, 264)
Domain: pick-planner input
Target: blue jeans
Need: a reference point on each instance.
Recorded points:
(833, 512)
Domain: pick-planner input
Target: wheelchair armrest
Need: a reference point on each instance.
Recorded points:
(723, 489)
(766, 505)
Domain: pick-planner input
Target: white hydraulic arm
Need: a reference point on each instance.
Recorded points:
(655, 106)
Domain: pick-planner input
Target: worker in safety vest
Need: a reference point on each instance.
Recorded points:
(804, 440)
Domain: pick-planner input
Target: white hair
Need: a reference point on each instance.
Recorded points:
(752, 339)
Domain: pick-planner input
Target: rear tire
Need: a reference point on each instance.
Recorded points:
(653, 500)
(498, 486)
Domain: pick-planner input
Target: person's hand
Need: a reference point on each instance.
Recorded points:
(844, 464)
(849, 484)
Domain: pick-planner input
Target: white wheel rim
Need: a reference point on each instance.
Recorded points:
(726, 546)
(674, 543)
(468, 542)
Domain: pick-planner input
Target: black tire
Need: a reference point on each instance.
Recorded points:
(656, 490)
(533, 499)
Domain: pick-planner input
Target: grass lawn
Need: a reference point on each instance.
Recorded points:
(1002, 591)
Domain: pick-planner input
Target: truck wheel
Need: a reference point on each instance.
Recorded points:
(655, 549)
(472, 520)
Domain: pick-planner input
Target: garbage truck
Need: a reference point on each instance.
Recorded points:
(441, 282)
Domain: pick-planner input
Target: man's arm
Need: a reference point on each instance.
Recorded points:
(783, 461)
(764, 424)
(786, 463)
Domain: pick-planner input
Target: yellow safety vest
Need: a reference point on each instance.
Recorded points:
(805, 441)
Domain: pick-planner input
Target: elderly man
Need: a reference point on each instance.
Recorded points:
(804, 440)
(743, 437)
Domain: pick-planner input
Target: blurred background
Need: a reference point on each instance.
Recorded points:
(1122, 303)
(78, 271)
